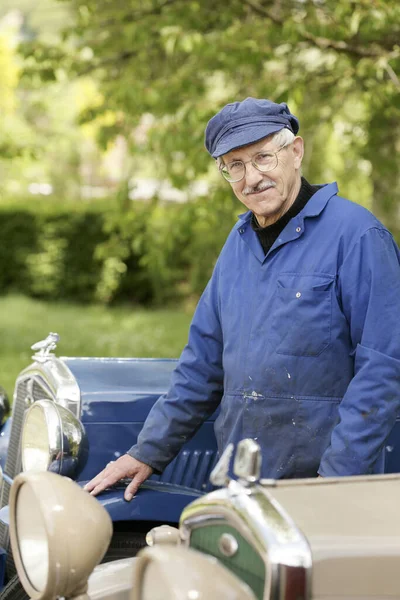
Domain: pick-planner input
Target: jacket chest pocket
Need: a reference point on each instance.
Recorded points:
(302, 317)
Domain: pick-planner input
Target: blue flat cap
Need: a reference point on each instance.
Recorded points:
(247, 122)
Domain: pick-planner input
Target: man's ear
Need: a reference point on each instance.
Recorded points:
(298, 151)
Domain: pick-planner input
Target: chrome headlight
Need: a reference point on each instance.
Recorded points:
(53, 439)
(47, 516)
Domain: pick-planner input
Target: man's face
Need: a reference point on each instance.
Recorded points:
(268, 195)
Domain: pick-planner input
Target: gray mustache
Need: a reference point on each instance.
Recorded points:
(257, 188)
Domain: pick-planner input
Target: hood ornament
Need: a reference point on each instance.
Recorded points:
(219, 475)
(246, 465)
(44, 348)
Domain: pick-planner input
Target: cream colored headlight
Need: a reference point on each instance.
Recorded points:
(52, 439)
(48, 514)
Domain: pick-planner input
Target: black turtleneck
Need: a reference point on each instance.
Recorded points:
(268, 235)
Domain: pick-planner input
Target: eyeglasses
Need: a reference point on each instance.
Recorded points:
(262, 161)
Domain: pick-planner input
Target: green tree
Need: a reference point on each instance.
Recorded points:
(334, 61)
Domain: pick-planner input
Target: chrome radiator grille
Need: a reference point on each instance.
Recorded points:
(33, 389)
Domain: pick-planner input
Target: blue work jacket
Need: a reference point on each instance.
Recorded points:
(299, 347)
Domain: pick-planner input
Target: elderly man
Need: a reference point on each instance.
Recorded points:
(297, 334)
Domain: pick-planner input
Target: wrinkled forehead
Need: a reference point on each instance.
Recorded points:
(245, 152)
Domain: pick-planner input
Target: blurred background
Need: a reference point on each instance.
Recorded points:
(111, 212)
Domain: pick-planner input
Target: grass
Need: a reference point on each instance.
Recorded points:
(85, 331)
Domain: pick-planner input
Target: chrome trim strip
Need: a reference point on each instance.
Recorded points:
(261, 520)
(6, 478)
(117, 359)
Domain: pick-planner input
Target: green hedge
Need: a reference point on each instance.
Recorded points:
(150, 253)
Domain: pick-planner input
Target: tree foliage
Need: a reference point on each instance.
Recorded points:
(10, 145)
(336, 63)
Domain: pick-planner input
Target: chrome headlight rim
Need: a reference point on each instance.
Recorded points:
(65, 444)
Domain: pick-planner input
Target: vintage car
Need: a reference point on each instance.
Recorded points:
(310, 539)
(72, 416)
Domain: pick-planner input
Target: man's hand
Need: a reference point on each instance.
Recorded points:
(125, 466)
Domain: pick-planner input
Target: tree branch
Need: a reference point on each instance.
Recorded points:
(135, 17)
(261, 10)
(124, 56)
(322, 42)
(342, 46)
(393, 76)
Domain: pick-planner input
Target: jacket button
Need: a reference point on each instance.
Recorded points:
(298, 295)
(241, 230)
(298, 229)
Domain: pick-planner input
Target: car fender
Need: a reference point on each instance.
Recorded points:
(165, 500)
(155, 501)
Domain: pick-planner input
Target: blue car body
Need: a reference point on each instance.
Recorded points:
(111, 398)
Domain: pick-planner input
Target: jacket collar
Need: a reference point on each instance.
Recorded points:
(293, 230)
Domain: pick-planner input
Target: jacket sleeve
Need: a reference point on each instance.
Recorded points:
(195, 391)
(369, 290)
